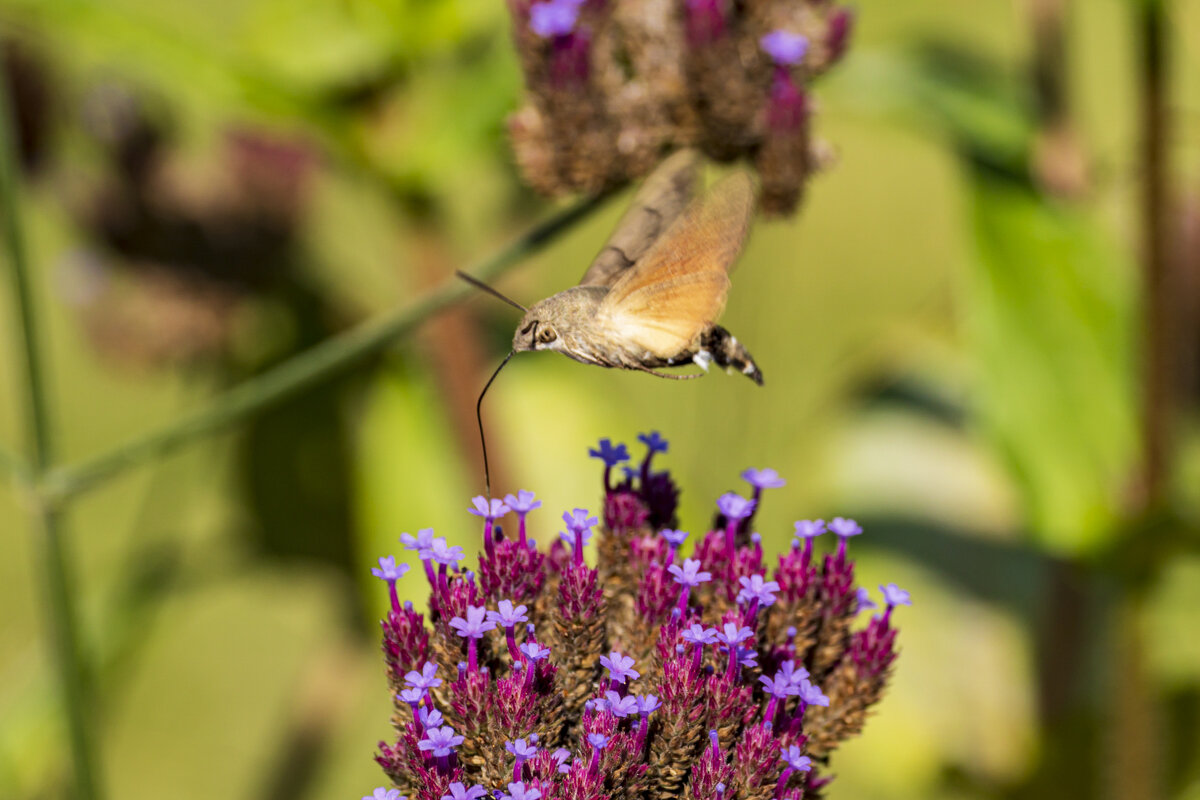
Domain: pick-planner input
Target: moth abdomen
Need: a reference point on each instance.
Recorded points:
(726, 351)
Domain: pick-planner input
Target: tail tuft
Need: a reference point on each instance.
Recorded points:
(727, 351)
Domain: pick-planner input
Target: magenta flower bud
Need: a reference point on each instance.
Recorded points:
(705, 21)
(841, 25)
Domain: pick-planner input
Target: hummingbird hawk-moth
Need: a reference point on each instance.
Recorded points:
(652, 297)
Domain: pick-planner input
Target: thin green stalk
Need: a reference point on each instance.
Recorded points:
(14, 466)
(304, 370)
(47, 523)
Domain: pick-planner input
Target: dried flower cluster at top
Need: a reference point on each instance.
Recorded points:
(614, 84)
(649, 676)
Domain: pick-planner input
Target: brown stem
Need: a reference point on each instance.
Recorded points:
(1160, 361)
(1059, 162)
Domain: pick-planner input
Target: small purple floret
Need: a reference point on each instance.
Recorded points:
(460, 792)
(789, 672)
(779, 686)
(597, 740)
(507, 616)
(388, 570)
(383, 793)
(674, 538)
(425, 679)
(894, 596)
(422, 542)
(578, 520)
(475, 625)
(619, 667)
(809, 528)
(754, 588)
(811, 694)
(784, 47)
(440, 741)
(647, 704)
(518, 791)
(689, 574)
(523, 502)
(698, 634)
(443, 553)
(845, 528)
(732, 635)
(763, 478)
(734, 506)
(796, 760)
(534, 651)
(609, 453)
(864, 599)
(620, 707)
(488, 510)
(521, 749)
(430, 717)
(653, 441)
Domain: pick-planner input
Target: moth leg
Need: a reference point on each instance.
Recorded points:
(726, 351)
(658, 374)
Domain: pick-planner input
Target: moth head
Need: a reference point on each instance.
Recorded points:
(535, 333)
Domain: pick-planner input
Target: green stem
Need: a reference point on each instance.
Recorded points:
(47, 524)
(14, 466)
(302, 371)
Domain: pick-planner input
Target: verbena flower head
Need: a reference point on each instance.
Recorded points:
(538, 675)
(701, 74)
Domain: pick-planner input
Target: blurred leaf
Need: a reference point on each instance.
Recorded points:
(980, 103)
(1049, 304)
(1049, 316)
(1009, 575)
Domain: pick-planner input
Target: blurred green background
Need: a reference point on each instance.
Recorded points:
(951, 331)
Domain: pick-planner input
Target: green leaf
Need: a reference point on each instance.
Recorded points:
(1050, 321)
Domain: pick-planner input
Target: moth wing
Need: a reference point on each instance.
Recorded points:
(678, 288)
(663, 197)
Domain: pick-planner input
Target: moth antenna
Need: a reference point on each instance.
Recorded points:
(478, 284)
(487, 474)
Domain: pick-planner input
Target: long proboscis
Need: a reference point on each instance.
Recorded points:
(487, 474)
(478, 284)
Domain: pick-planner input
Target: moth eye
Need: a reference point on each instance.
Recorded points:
(546, 335)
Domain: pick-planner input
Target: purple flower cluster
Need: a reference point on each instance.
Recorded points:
(613, 84)
(653, 674)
